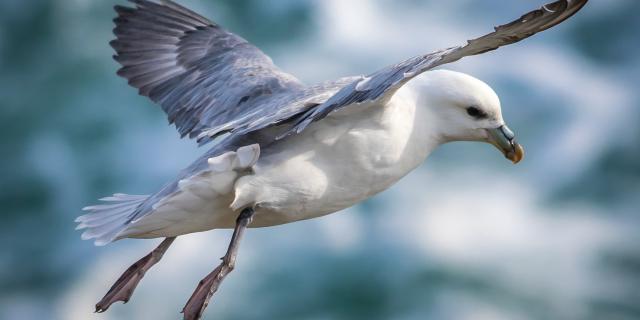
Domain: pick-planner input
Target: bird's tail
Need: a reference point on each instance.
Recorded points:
(105, 221)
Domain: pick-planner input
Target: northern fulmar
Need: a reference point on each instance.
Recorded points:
(283, 151)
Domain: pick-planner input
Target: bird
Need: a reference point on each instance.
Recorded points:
(282, 151)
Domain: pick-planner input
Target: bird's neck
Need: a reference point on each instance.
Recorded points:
(423, 133)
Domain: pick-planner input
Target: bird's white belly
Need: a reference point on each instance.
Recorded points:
(334, 164)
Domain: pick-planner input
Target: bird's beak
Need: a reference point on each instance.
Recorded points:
(503, 138)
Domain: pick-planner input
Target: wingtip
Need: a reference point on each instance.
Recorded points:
(113, 44)
(119, 9)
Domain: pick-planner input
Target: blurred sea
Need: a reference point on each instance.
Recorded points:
(466, 236)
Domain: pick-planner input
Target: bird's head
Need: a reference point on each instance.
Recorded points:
(465, 109)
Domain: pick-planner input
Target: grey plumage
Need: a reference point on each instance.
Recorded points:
(211, 82)
(200, 74)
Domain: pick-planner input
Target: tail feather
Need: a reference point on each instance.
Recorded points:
(105, 221)
(97, 221)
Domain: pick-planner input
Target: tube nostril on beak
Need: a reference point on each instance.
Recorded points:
(507, 132)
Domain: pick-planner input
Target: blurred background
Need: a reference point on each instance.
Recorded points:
(466, 236)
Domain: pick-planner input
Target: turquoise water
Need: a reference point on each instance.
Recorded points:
(466, 236)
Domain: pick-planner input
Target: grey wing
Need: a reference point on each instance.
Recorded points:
(384, 83)
(201, 75)
(283, 109)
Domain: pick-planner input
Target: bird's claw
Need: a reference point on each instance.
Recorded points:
(123, 288)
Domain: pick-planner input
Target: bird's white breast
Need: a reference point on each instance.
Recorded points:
(337, 162)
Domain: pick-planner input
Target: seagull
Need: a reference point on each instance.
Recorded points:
(282, 151)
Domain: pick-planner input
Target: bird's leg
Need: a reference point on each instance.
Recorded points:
(124, 286)
(209, 285)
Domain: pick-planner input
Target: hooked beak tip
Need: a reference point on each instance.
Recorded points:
(517, 154)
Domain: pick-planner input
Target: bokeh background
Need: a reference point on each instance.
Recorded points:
(466, 236)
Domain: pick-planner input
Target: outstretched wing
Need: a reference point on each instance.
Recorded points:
(382, 84)
(202, 75)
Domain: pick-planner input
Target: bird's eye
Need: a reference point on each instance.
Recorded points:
(476, 112)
